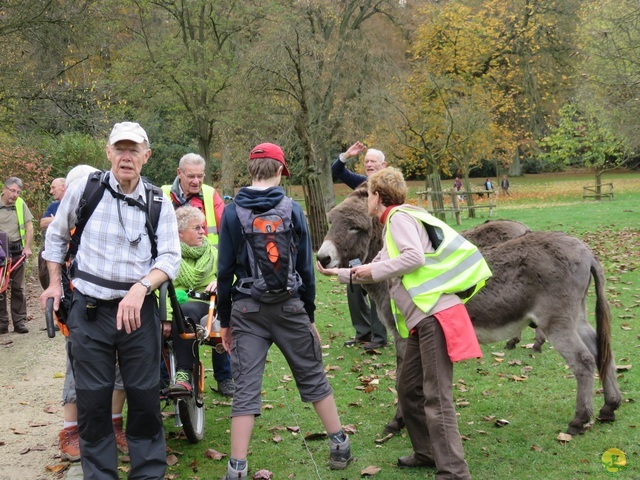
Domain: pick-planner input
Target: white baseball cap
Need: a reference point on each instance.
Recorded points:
(128, 131)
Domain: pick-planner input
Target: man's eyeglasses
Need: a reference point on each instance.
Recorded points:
(14, 191)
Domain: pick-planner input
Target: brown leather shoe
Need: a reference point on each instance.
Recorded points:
(413, 461)
(121, 438)
(69, 443)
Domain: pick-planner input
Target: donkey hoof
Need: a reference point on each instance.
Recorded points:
(394, 427)
(606, 416)
(575, 430)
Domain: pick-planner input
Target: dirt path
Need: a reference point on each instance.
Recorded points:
(31, 378)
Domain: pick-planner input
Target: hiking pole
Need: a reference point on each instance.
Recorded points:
(48, 316)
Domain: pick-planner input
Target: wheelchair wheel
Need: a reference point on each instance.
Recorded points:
(192, 418)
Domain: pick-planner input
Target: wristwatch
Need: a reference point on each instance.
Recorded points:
(147, 284)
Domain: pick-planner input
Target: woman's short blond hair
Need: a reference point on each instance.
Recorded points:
(390, 185)
(185, 215)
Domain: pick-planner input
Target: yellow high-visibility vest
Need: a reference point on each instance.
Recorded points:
(456, 266)
(209, 211)
(21, 225)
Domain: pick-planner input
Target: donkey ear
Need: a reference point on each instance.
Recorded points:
(361, 191)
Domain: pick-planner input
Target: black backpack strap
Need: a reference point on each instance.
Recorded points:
(92, 195)
(90, 198)
(155, 197)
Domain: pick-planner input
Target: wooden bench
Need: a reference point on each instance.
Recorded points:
(591, 191)
(455, 208)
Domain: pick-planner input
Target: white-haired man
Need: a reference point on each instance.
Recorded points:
(121, 259)
(188, 189)
(370, 331)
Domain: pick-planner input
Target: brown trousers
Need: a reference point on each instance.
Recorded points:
(425, 393)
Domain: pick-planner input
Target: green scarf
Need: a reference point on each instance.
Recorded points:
(196, 264)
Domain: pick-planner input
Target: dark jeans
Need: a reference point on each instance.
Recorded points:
(94, 345)
(364, 316)
(185, 355)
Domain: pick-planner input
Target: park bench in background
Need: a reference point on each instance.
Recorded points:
(591, 191)
(454, 203)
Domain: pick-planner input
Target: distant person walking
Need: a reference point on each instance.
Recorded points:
(16, 222)
(504, 185)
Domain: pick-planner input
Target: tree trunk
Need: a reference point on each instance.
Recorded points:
(315, 206)
(434, 183)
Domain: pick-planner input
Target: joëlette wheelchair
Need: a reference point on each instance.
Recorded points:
(7, 263)
(189, 409)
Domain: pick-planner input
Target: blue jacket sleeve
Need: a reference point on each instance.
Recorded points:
(349, 178)
(229, 240)
(304, 262)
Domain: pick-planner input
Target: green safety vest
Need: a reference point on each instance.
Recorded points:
(21, 226)
(456, 266)
(209, 211)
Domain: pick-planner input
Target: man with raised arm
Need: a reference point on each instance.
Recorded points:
(370, 331)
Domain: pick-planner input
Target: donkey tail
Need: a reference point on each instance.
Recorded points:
(603, 320)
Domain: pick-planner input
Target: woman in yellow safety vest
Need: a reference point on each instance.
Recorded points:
(423, 282)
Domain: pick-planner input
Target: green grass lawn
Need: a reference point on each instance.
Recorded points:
(534, 392)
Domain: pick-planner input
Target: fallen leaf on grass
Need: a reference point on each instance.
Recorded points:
(267, 406)
(501, 423)
(350, 429)
(623, 368)
(369, 471)
(462, 404)
(214, 454)
(536, 448)
(489, 418)
(276, 438)
(497, 354)
(172, 460)
(625, 326)
(294, 429)
(384, 439)
(262, 475)
(315, 436)
(516, 378)
(563, 437)
(194, 465)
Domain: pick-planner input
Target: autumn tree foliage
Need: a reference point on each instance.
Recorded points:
(31, 168)
(499, 67)
(581, 139)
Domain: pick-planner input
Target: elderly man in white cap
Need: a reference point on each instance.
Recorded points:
(119, 262)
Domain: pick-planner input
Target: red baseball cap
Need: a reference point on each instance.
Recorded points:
(270, 150)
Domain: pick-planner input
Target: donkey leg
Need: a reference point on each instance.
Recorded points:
(569, 344)
(396, 425)
(612, 396)
(540, 339)
(511, 344)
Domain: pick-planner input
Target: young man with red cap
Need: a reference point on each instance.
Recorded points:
(265, 247)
